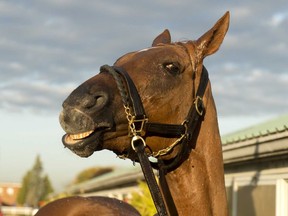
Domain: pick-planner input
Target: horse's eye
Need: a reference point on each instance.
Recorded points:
(172, 68)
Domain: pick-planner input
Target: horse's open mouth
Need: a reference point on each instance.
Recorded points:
(85, 143)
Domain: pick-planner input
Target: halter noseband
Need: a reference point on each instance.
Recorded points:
(140, 128)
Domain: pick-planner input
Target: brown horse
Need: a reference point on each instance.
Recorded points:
(167, 76)
(87, 206)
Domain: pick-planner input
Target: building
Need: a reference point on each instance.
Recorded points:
(8, 200)
(120, 184)
(9, 193)
(256, 169)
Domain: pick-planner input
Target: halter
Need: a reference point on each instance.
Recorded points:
(140, 128)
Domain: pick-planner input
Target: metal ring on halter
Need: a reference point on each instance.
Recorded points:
(135, 139)
(198, 102)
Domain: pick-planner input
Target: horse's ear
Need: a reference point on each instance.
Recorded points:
(210, 42)
(164, 38)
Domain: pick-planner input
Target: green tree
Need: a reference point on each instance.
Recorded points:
(35, 186)
(24, 188)
(47, 189)
(143, 197)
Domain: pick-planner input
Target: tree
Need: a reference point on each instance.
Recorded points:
(47, 189)
(35, 186)
(143, 197)
(24, 188)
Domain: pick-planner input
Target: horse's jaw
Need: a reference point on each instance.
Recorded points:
(84, 135)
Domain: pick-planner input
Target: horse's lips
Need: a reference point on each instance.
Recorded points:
(86, 146)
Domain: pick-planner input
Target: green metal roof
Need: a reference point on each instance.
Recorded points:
(114, 177)
(273, 126)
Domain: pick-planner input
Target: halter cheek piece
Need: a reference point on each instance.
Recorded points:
(140, 128)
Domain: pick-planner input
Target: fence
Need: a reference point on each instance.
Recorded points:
(14, 211)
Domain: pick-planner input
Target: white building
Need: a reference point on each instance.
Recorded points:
(256, 169)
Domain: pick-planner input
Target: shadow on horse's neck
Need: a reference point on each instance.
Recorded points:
(197, 185)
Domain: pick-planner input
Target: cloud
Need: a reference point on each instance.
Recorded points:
(34, 95)
(50, 47)
(249, 91)
(278, 19)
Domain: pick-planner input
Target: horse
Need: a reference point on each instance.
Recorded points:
(167, 77)
(87, 206)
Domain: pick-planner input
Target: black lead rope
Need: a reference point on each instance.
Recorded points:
(166, 191)
(158, 200)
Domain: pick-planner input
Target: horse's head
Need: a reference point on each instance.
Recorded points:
(166, 76)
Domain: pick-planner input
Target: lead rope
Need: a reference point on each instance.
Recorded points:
(138, 144)
(166, 191)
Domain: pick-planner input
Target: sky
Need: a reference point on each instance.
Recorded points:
(49, 47)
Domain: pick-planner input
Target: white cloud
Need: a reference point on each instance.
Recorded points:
(278, 18)
(16, 66)
(34, 95)
(248, 90)
(241, 12)
(60, 42)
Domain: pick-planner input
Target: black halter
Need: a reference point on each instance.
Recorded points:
(140, 128)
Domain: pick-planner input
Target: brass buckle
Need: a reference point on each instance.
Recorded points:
(199, 107)
(136, 126)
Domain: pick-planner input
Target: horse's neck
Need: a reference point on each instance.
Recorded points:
(197, 186)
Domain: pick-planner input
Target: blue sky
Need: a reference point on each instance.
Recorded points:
(49, 47)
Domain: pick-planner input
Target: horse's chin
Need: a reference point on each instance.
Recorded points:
(119, 143)
(84, 147)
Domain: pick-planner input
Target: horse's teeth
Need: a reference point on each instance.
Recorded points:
(80, 135)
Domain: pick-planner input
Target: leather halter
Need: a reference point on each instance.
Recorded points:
(140, 128)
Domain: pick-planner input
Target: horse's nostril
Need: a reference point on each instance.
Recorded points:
(88, 102)
(100, 101)
(97, 101)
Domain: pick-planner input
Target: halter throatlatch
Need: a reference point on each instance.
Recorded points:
(140, 128)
